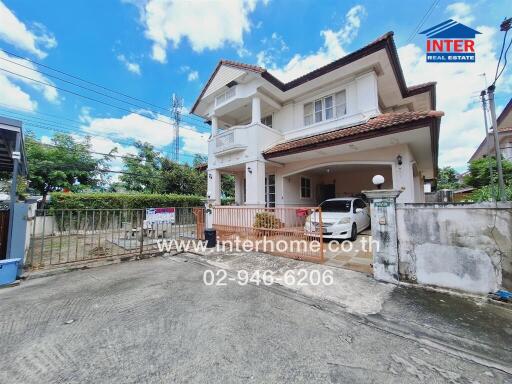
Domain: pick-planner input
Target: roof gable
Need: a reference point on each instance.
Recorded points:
(223, 76)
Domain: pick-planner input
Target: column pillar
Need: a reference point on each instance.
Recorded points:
(215, 125)
(256, 110)
(255, 183)
(214, 186)
(384, 234)
(239, 189)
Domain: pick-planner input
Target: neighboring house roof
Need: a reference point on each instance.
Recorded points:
(503, 115)
(384, 42)
(450, 29)
(202, 167)
(380, 125)
(501, 118)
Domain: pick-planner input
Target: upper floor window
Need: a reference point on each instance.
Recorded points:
(326, 108)
(267, 120)
(229, 94)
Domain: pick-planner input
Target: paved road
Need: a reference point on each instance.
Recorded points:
(155, 321)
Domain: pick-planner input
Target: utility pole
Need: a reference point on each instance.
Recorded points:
(492, 108)
(488, 143)
(177, 105)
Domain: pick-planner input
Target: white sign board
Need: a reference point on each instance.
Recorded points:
(161, 215)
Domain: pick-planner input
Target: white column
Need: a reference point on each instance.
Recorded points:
(214, 186)
(256, 110)
(215, 125)
(255, 183)
(239, 189)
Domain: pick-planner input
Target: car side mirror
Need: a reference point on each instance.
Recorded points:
(358, 210)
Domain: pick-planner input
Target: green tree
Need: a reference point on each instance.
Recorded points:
(182, 179)
(447, 178)
(227, 185)
(479, 177)
(199, 159)
(65, 163)
(143, 171)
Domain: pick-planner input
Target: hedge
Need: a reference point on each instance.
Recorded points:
(61, 200)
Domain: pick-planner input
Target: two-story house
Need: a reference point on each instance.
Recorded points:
(322, 135)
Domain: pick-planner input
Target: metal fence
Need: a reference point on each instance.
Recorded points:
(62, 236)
(284, 231)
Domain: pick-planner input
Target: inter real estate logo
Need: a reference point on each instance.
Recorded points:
(450, 42)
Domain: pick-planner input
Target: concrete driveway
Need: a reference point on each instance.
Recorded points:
(156, 321)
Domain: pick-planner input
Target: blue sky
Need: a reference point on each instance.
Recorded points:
(150, 49)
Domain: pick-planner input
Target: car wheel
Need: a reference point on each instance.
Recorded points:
(353, 233)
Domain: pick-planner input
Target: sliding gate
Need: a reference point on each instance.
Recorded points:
(64, 236)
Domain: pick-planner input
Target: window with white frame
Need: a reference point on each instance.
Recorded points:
(305, 188)
(229, 94)
(267, 120)
(326, 108)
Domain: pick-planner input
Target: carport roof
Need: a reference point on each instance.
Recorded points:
(380, 125)
(9, 128)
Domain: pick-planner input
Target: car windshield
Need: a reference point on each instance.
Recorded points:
(336, 206)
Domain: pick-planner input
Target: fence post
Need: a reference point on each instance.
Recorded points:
(384, 233)
(141, 250)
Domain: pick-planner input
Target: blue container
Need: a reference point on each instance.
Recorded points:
(8, 270)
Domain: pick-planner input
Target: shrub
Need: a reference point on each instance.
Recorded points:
(60, 200)
(266, 220)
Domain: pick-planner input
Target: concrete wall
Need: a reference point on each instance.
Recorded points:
(465, 247)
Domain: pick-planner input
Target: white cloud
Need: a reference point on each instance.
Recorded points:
(130, 66)
(13, 96)
(458, 87)
(15, 32)
(332, 49)
(26, 68)
(156, 132)
(460, 12)
(205, 24)
(192, 76)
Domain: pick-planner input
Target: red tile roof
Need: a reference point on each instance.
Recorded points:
(383, 42)
(375, 126)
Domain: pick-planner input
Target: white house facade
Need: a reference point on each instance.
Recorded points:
(323, 135)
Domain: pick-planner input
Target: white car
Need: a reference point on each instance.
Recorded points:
(342, 218)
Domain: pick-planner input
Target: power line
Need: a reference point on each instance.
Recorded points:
(80, 86)
(55, 127)
(85, 81)
(85, 97)
(49, 128)
(422, 20)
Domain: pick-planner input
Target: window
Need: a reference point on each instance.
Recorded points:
(341, 103)
(308, 114)
(359, 204)
(229, 94)
(336, 206)
(270, 191)
(326, 108)
(305, 188)
(267, 120)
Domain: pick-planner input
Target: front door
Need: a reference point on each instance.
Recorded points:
(326, 191)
